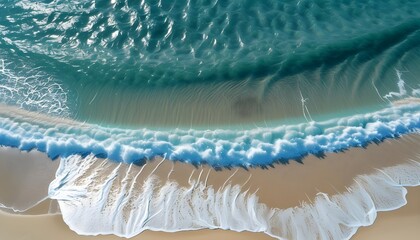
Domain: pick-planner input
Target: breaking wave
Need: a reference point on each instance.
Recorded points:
(218, 148)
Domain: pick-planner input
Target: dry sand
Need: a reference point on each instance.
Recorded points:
(283, 186)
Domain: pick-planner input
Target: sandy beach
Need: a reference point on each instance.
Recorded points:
(293, 184)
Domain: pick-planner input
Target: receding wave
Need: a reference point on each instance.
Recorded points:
(117, 203)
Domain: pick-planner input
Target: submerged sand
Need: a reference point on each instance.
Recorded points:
(281, 187)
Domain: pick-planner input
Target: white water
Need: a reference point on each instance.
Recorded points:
(219, 148)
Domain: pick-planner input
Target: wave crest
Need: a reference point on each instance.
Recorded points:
(218, 148)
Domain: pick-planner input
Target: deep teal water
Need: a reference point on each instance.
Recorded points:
(85, 59)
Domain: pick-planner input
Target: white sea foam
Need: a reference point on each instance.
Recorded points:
(219, 148)
(101, 197)
(33, 90)
(402, 91)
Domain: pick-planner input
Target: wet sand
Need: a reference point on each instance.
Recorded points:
(282, 187)
(402, 223)
(24, 177)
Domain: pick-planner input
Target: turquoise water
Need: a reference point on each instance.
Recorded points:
(204, 63)
(163, 43)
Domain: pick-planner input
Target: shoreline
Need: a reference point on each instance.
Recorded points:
(301, 182)
(299, 179)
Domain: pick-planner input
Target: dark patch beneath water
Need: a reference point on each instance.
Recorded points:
(246, 107)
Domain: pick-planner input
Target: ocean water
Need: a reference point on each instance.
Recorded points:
(204, 63)
(222, 83)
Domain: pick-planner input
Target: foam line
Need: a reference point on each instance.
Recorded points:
(218, 148)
